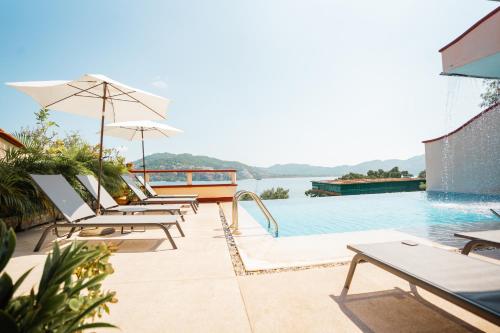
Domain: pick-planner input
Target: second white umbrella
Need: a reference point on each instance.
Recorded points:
(140, 130)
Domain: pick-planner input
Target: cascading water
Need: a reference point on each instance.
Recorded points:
(451, 98)
(472, 149)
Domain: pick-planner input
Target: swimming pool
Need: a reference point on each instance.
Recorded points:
(435, 216)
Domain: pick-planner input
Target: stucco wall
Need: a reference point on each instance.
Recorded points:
(4, 145)
(221, 192)
(467, 161)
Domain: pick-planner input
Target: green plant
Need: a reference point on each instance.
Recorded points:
(45, 153)
(317, 193)
(372, 174)
(68, 297)
(422, 174)
(245, 197)
(491, 94)
(271, 194)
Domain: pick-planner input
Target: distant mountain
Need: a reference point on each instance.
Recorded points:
(414, 165)
(187, 161)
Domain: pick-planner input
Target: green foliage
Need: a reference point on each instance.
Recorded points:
(353, 175)
(44, 153)
(271, 194)
(371, 174)
(422, 174)
(245, 197)
(68, 297)
(491, 95)
(422, 186)
(317, 193)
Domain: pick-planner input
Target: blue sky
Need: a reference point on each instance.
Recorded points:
(262, 82)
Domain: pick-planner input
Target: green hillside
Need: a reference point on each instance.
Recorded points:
(168, 161)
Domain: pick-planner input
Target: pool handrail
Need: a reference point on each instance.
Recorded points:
(270, 219)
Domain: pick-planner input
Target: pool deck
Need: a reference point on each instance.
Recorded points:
(195, 289)
(259, 250)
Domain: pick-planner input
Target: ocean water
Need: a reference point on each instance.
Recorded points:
(428, 215)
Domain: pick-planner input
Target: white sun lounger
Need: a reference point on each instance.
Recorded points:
(152, 193)
(78, 214)
(144, 200)
(479, 239)
(469, 283)
(110, 205)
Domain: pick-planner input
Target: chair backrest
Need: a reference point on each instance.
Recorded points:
(90, 183)
(131, 184)
(64, 197)
(148, 187)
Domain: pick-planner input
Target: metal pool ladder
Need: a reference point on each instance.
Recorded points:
(270, 219)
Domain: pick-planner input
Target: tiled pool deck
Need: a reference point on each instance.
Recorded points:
(195, 289)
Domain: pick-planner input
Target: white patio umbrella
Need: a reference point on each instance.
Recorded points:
(96, 96)
(140, 130)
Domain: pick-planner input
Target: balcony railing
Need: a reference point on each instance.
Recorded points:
(222, 188)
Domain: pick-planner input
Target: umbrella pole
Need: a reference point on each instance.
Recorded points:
(98, 209)
(143, 158)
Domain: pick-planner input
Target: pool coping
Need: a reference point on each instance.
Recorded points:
(260, 251)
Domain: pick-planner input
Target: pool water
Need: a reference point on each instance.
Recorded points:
(434, 216)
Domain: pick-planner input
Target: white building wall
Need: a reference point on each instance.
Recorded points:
(4, 145)
(467, 161)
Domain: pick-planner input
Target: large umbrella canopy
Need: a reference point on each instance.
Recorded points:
(96, 96)
(140, 130)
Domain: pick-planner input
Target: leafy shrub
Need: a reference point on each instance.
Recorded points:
(271, 194)
(491, 94)
(44, 153)
(245, 197)
(68, 297)
(371, 174)
(317, 193)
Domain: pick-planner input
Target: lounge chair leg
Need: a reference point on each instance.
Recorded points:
(70, 232)
(179, 228)
(470, 246)
(355, 260)
(170, 239)
(42, 238)
(194, 208)
(182, 216)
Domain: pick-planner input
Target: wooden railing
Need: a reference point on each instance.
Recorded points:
(208, 191)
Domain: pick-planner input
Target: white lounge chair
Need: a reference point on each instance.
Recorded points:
(108, 204)
(152, 193)
(144, 200)
(479, 239)
(469, 283)
(79, 215)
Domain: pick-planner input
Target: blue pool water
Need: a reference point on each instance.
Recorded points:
(429, 215)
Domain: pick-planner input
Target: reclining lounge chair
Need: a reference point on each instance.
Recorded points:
(79, 215)
(108, 204)
(144, 200)
(479, 239)
(469, 283)
(150, 191)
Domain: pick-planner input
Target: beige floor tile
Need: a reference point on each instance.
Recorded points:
(200, 305)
